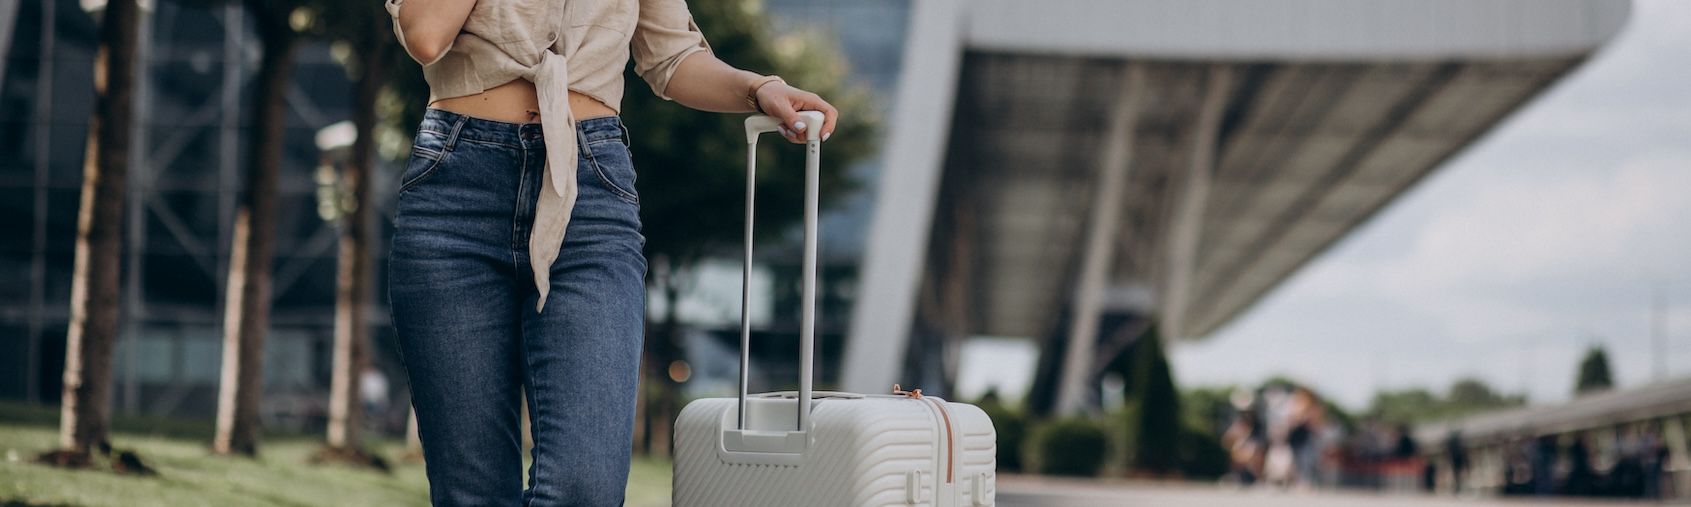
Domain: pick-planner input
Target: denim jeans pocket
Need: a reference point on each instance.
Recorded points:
(422, 164)
(427, 151)
(615, 167)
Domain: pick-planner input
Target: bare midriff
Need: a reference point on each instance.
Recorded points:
(516, 102)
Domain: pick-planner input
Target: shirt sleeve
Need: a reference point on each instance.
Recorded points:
(664, 36)
(399, 32)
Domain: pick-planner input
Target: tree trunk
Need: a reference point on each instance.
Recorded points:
(352, 284)
(94, 284)
(655, 409)
(247, 307)
(668, 350)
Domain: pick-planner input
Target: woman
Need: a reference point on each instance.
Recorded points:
(516, 258)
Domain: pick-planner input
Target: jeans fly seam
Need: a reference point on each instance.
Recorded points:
(518, 237)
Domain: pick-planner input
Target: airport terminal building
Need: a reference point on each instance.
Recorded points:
(1073, 173)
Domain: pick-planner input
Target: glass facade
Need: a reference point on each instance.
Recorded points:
(186, 177)
(186, 172)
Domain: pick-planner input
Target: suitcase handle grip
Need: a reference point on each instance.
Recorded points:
(755, 126)
(758, 124)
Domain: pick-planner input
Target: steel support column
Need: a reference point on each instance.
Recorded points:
(141, 177)
(1102, 227)
(1188, 220)
(905, 195)
(42, 125)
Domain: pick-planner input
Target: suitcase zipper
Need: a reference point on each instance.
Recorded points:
(950, 440)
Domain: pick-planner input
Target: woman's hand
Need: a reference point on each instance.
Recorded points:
(783, 102)
(705, 83)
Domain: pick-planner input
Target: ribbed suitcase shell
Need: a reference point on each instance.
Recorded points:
(856, 450)
(866, 451)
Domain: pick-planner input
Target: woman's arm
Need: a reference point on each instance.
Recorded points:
(703, 82)
(428, 27)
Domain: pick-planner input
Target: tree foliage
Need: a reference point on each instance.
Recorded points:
(691, 162)
(1011, 425)
(1465, 397)
(1207, 409)
(1157, 428)
(1594, 372)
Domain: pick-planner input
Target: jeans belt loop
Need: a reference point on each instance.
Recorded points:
(581, 141)
(452, 137)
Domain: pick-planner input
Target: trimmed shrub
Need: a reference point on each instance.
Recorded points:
(1157, 432)
(1202, 455)
(1011, 426)
(1073, 447)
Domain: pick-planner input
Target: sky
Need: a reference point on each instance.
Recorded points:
(1562, 228)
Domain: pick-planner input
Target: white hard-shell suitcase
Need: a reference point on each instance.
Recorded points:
(826, 448)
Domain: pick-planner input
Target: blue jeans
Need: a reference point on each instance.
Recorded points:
(463, 307)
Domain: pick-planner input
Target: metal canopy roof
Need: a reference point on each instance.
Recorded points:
(1247, 137)
(1305, 152)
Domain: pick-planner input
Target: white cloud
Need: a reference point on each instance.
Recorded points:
(1546, 226)
(1479, 265)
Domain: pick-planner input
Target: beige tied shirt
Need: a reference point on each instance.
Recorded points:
(560, 45)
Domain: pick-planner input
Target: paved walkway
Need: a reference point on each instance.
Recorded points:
(1022, 491)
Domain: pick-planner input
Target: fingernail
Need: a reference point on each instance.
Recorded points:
(784, 131)
(798, 126)
(825, 136)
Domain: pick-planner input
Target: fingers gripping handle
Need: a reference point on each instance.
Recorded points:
(758, 124)
(755, 126)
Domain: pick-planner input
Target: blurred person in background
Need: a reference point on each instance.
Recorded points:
(1405, 446)
(1305, 419)
(1279, 464)
(1544, 465)
(1517, 467)
(517, 259)
(1582, 477)
(373, 392)
(1330, 447)
(1458, 453)
(1245, 446)
(1655, 460)
(1626, 472)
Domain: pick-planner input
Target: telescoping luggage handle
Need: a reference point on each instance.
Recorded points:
(755, 126)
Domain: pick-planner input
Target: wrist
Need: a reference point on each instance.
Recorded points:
(754, 86)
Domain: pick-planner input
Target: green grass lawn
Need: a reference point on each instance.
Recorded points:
(190, 475)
